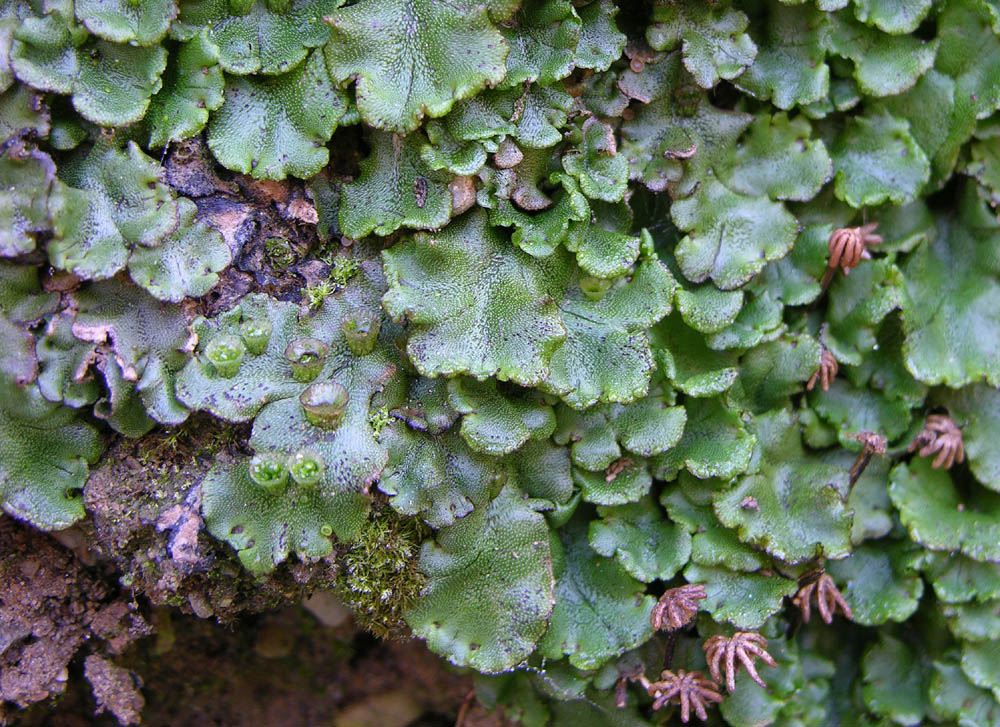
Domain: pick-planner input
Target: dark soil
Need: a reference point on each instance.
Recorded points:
(53, 610)
(83, 655)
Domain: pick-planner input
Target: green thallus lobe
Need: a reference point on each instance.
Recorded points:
(841, 120)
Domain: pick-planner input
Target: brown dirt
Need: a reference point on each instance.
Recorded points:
(116, 690)
(287, 670)
(262, 666)
(70, 633)
(51, 608)
(281, 670)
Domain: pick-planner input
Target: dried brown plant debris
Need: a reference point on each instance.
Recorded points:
(940, 435)
(848, 247)
(616, 468)
(621, 692)
(689, 689)
(871, 444)
(723, 651)
(677, 607)
(828, 598)
(826, 372)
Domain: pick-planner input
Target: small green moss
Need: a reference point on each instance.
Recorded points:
(379, 420)
(316, 294)
(279, 250)
(380, 580)
(344, 268)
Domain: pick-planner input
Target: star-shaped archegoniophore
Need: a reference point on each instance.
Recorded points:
(689, 689)
(743, 645)
(941, 436)
(677, 607)
(849, 246)
(828, 599)
(826, 372)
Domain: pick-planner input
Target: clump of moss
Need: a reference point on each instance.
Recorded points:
(379, 420)
(380, 580)
(342, 269)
